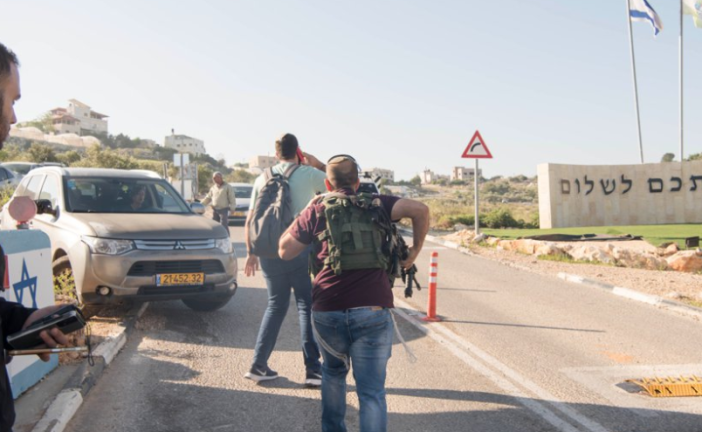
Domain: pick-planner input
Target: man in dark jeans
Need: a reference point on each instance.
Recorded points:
(13, 316)
(222, 198)
(351, 310)
(284, 276)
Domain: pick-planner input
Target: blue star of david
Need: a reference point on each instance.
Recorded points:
(24, 283)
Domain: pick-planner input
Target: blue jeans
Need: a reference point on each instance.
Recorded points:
(280, 277)
(365, 336)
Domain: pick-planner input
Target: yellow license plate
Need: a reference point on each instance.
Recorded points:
(180, 279)
(237, 214)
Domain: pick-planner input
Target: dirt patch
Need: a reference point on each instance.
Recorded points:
(107, 321)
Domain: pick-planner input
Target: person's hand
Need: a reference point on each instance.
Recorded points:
(411, 257)
(251, 265)
(53, 337)
(312, 161)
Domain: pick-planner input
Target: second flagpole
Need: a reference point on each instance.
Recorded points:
(633, 68)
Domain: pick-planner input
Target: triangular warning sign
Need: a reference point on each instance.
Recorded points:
(476, 148)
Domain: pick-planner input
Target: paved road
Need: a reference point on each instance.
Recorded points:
(516, 352)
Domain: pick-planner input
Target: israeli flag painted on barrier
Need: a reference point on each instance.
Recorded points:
(641, 10)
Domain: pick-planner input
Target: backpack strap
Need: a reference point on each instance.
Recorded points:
(289, 172)
(268, 173)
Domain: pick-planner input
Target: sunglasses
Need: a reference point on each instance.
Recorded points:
(341, 158)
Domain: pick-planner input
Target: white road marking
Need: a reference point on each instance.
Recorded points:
(463, 350)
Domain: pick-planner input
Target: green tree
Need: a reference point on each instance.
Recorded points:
(668, 157)
(44, 123)
(204, 177)
(69, 158)
(694, 156)
(240, 176)
(42, 153)
(98, 157)
(416, 180)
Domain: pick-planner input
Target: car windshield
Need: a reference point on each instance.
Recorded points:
(19, 168)
(368, 188)
(115, 195)
(242, 191)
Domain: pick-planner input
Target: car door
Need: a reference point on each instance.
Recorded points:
(49, 223)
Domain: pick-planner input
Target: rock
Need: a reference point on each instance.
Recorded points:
(671, 249)
(548, 248)
(674, 295)
(479, 238)
(592, 253)
(643, 260)
(508, 245)
(492, 241)
(460, 227)
(526, 246)
(687, 261)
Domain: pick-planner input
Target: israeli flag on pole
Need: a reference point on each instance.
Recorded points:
(694, 8)
(641, 10)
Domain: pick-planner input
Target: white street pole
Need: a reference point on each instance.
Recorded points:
(477, 221)
(633, 68)
(682, 154)
(182, 177)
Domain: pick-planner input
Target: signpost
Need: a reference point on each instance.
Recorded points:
(181, 160)
(477, 149)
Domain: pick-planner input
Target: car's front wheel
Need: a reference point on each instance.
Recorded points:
(208, 304)
(65, 286)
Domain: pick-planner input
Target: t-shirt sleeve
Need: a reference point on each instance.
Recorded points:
(389, 202)
(304, 226)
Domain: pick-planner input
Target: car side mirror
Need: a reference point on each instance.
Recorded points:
(44, 207)
(197, 208)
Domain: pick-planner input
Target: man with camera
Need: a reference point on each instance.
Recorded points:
(13, 316)
(352, 295)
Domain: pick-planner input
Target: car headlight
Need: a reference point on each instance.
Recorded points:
(225, 245)
(107, 246)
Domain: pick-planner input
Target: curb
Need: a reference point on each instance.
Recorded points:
(630, 294)
(70, 398)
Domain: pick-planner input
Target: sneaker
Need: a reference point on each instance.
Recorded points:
(313, 379)
(258, 375)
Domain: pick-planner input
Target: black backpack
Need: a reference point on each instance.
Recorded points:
(272, 213)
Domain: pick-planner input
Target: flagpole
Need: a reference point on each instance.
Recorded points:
(633, 68)
(682, 154)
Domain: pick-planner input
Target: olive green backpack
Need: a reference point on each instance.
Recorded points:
(359, 233)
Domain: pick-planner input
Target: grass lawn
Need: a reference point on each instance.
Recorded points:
(654, 234)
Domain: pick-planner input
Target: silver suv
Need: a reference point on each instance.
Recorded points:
(129, 235)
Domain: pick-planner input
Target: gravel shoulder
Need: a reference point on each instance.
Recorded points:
(672, 285)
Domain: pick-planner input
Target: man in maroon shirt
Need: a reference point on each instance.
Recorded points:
(351, 311)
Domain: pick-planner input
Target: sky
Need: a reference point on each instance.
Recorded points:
(399, 84)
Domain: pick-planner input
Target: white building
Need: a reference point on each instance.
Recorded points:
(78, 119)
(384, 174)
(428, 176)
(258, 164)
(463, 173)
(185, 144)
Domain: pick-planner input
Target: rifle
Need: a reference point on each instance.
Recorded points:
(409, 277)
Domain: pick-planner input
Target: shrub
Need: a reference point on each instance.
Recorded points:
(500, 218)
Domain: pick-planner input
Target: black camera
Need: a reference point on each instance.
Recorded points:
(68, 319)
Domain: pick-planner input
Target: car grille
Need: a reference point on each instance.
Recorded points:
(152, 245)
(151, 268)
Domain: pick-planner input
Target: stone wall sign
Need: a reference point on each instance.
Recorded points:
(600, 195)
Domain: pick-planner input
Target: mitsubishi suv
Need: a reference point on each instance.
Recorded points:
(128, 235)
